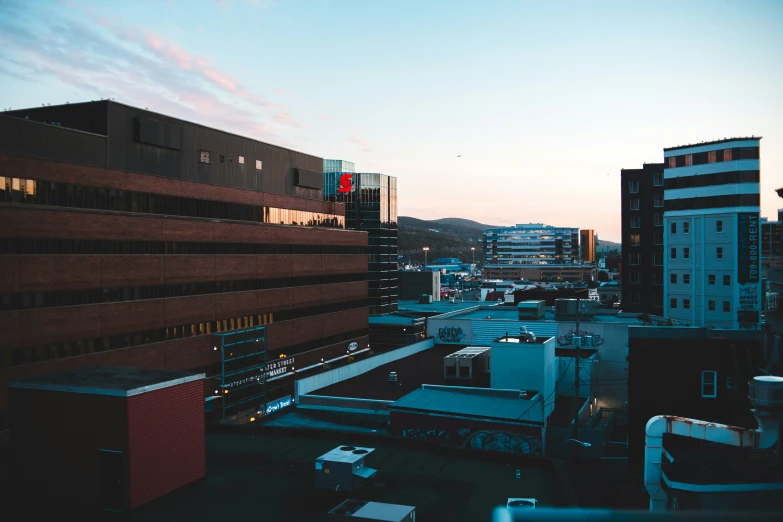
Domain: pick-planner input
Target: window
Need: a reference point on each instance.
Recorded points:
(673, 227)
(634, 203)
(686, 279)
(673, 279)
(635, 258)
(712, 157)
(635, 278)
(711, 306)
(726, 280)
(258, 164)
(658, 238)
(719, 226)
(633, 186)
(672, 162)
(686, 227)
(673, 302)
(658, 258)
(719, 252)
(635, 296)
(727, 155)
(222, 159)
(658, 179)
(709, 380)
(674, 253)
(711, 279)
(635, 239)
(686, 304)
(688, 160)
(657, 279)
(636, 221)
(727, 306)
(658, 219)
(686, 253)
(658, 200)
(241, 160)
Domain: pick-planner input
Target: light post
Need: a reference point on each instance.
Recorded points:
(426, 249)
(473, 252)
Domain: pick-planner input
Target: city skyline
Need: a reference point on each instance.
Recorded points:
(507, 113)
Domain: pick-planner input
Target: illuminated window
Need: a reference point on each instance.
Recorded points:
(635, 239)
(712, 157)
(258, 164)
(241, 160)
(727, 155)
(672, 162)
(688, 160)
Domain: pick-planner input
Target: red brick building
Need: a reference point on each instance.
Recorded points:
(130, 238)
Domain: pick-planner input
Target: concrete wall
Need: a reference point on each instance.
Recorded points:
(525, 366)
(610, 374)
(322, 380)
(450, 330)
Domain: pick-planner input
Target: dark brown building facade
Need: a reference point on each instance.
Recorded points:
(130, 238)
(642, 243)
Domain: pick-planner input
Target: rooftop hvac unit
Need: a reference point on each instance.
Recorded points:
(522, 503)
(362, 510)
(343, 469)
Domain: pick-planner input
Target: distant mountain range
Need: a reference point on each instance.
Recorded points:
(450, 237)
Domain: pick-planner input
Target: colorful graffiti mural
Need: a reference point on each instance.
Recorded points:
(568, 338)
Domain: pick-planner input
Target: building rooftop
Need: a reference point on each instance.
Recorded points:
(437, 307)
(422, 368)
(395, 319)
(724, 140)
(477, 403)
(107, 380)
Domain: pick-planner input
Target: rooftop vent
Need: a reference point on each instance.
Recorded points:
(392, 376)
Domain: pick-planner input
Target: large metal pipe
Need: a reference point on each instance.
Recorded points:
(765, 393)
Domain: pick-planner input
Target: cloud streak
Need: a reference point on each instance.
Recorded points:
(108, 59)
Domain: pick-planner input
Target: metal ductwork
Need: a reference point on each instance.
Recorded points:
(765, 394)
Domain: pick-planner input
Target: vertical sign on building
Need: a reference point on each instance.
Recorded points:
(748, 269)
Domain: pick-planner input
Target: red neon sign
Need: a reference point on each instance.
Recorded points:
(345, 183)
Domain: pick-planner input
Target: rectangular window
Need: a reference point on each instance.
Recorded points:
(673, 302)
(635, 258)
(686, 227)
(658, 200)
(635, 278)
(222, 159)
(658, 179)
(658, 238)
(709, 387)
(711, 306)
(727, 306)
(712, 157)
(657, 279)
(688, 160)
(686, 304)
(673, 279)
(636, 221)
(633, 186)
(673, 227)
(635, 296)
(686, 279)
(672, 162)
(241, 160)
(726, 280)
(727, 155)
(711, 279)
(674, 253)
(719, 252)
(258, 164)
(658, 219)
(635, 239)
(719, 226)
(634, 203)
(658, 259)
(686, 253)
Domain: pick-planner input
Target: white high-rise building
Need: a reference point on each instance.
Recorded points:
(712, 248)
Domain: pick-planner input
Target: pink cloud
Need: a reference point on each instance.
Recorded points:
(286, 119)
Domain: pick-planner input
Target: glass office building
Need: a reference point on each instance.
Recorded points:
(370, 205)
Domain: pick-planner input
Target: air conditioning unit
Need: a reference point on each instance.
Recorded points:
(343, 469)
(521, 503)
(363, 510)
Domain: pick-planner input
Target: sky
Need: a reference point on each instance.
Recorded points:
(502, 112)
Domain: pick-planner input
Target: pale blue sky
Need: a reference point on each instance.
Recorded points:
(545, 101)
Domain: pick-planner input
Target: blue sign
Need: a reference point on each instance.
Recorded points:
(279, 404)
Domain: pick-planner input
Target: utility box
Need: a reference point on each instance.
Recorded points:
(373, 511)
(343, 469)
(467, 363)
(107, 438)
(531, 310)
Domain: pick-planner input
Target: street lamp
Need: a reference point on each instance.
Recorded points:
(581, 443)
(473, 252)
(426, 249)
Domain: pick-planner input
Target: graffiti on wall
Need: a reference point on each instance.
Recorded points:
(451, 334)
(488, 440)
(568, 338)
